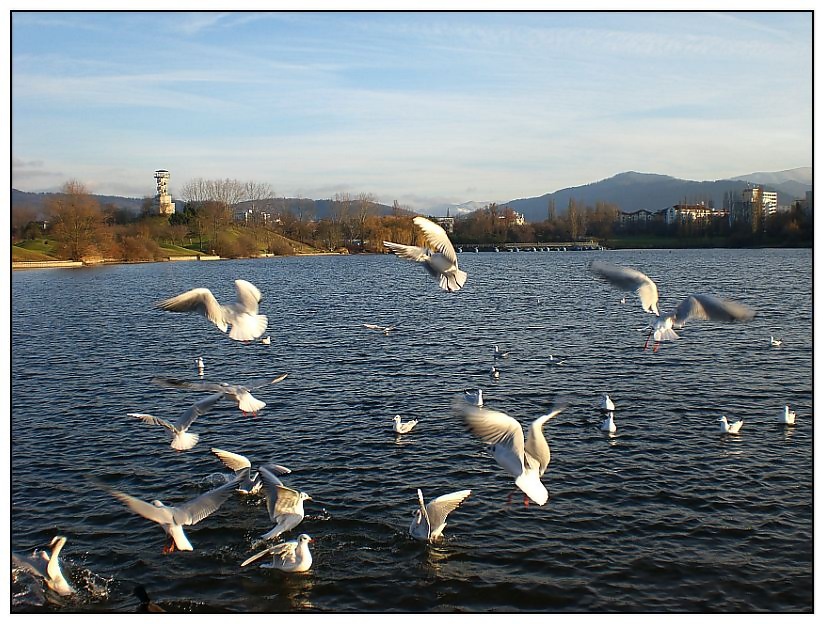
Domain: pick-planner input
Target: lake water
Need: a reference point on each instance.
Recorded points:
(666, 515)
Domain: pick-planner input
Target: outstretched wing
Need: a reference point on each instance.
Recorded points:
(200, 300)
(203, 386)
(195, 510)
(710, 308)
(161, 515)
(410, 252)
(154, 420)
(200, 407)
(233, 461)
(248, 296)
(495, 428)
(437, 238)
(439, 508)
(629, 279)
(269, 382)
(536, 445)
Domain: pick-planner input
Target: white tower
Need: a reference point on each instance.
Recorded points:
(163, 201)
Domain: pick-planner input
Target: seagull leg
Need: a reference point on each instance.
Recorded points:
(526, 501)
(649, 335)
(656, 347)
(170, 546)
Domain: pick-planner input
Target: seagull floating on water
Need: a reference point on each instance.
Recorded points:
(500, 355)
(403, 427)
(429, 521)
(239, 394)
(495, 373)
(555, 360)
(438, 257)
(526, 461)
(609, 424)
(287, 556)
(788, 417)
(243, 316)
(242, 467)
(173, 519)
(697, 307)
(474, 397)
(46, 565)
(776, 342)
(606, 404)
(182, 440)
(727, 427)
(381, 328)
(200, 366)
(284, 504)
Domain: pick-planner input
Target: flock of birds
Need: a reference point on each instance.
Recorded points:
(524, 456)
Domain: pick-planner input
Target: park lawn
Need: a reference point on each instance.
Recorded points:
(177, 250)
(32, 251)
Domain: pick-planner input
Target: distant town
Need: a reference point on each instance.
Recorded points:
(231, 219)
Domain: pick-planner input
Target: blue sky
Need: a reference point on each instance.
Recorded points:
(420, 107)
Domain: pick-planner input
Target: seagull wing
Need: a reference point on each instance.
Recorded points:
(248, 296)
(437, 238)
(709, 308)
(200, 300)
(373, 326)
(161, 515)
(629, 279)
(195, 510)
(287, 500)
(203, 386)
(495, 428)
(439, 508)
(232, 461)
(200, 407)
(536, 444)
(410, 252)
(269, 382)
(154, 420)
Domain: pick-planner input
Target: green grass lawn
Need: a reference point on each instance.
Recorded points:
(33, 250)
(177, 250)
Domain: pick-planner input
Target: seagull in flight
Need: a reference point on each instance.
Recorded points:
(242, 467)
(182, 440)
(438, 257)
(429, 520)
(46, 565)
(694, 307)
(285, 505)
(287, 556)
(241, 395)
(173, 519)
(526, 460)
(247, 324)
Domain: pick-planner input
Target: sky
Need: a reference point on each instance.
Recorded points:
(424, 108)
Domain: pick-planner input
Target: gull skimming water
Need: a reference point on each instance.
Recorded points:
(287, 556)
(429, 520)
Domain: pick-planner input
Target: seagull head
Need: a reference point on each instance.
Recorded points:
(304, 496)
(304, 539)
(157, 503)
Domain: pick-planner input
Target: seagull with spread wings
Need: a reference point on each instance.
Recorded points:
(241, 395)
(429, 520)
(182, 440)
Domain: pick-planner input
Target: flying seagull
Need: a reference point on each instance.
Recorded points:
(694, 307)
(242, 467)
(285, 505)
(241, 395)
(247, 324)
(438, 257)
(182, 440)
(525, 460)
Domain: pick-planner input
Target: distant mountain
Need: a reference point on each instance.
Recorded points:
(37, 200)
(455, 210)
(803, 175)
(632, 191)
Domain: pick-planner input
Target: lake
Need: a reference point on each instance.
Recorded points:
(666, 515)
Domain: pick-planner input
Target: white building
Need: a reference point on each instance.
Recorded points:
(163, 203)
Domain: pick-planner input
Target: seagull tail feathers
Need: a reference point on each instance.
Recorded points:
(452, 282)
(184, 441)
(251, 327)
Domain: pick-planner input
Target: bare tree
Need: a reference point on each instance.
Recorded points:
(364, 208)
(77, 220)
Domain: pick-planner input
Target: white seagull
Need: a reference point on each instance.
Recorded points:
(200, 366)
(182, 440)
(381, 328)
(429, 521)
(241, 395)
(266, 340)
(727, 427)
(525, 460)
(474, 397)
(776, 342)
(495, 373)
(287, 556)
(242, 467)
(694, 307)
(609, 424)
(285, 505)
(403, 427)
(788, 417)
(606, 404)
(500, 355)
(173, 519)
(438, 257)
(247, 324)
(46, 565)
(555, 360)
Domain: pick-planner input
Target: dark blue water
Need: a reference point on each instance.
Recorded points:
(667, 515)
